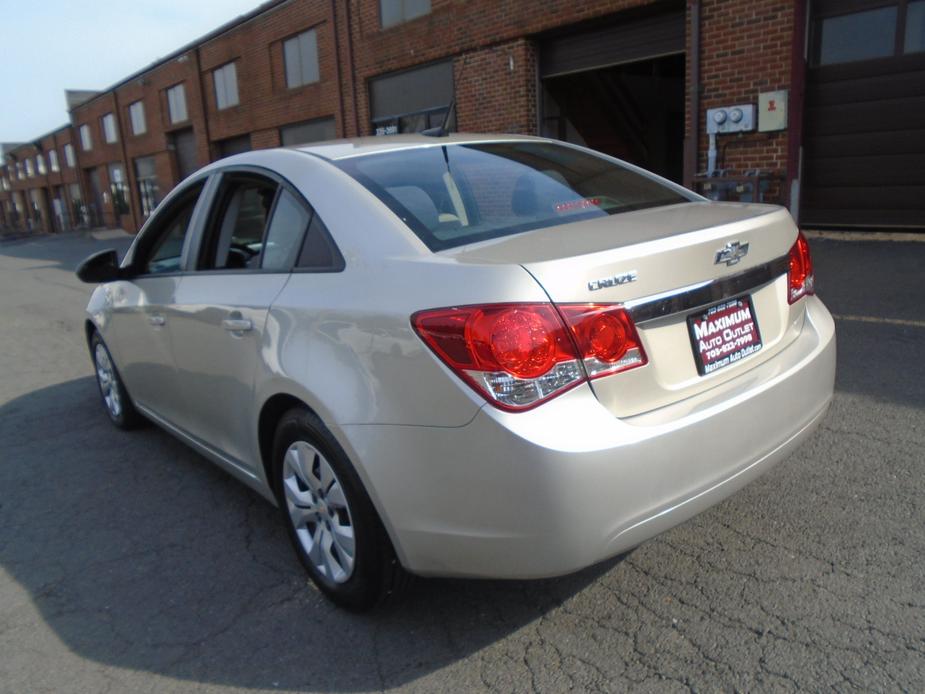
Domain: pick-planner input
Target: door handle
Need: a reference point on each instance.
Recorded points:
(156, 321)
(237, 325)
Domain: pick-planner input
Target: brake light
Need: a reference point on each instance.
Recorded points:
(800, 278)
(606, 338)
(519, 355)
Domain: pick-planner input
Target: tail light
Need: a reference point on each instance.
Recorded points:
(800, 279)
(519, 355)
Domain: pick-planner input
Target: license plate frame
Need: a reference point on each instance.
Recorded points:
(722, 335)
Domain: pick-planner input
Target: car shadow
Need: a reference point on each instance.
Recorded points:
(140, 554)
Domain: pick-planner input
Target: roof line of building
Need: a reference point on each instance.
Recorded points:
(214, 34)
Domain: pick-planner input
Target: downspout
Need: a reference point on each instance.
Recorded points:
(340, 82)
(795, 112)
(127, 166)
(693, 140)
(353, 73)
(202, 101)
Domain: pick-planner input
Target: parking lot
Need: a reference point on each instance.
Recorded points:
(129, 563)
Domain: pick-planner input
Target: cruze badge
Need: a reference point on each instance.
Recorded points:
(731, 253)
(615, 281)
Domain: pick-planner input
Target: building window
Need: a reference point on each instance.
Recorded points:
(307, 131)
(226, 86)
(86, 140)
(119, 189)
(393, 12)
(233, 145)
(301, 57)
(176, 104)
(108, 124)
(856, 36)
(136, 114)
(915, 27)
(413, 100)
(19, 173)
(77, 204)
(40, 164)
(69, 158)
(30, 170)
(53, 160)
(148, 191)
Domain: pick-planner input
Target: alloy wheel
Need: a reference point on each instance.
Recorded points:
(109, 382)
(319, 511)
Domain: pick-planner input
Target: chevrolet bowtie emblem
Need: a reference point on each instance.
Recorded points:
(731, 253)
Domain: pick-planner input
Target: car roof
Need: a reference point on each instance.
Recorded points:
(359, 146)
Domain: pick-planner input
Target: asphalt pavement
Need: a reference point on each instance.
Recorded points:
(129, 563)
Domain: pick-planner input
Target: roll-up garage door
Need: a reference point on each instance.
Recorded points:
(621, 43)
(864, 119)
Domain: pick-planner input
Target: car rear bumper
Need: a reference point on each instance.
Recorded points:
(566, 485)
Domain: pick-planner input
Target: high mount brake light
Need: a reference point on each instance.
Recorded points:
(519, 355)
(800, 278)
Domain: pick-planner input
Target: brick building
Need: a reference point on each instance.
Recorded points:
(817, 104)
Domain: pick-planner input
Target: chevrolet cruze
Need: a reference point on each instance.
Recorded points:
(486, 356)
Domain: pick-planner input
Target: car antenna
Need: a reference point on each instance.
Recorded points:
(441, 130)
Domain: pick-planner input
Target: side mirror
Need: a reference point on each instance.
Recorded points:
(100, 267)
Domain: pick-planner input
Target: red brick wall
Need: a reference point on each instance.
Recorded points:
(456, 28)
(745, 49)
(496, 88)
(266, 103)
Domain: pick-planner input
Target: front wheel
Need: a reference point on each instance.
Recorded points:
(116, 401)
(332, 523)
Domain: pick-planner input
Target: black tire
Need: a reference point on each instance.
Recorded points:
(376, 572)
(123, 415)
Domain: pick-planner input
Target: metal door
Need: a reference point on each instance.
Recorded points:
(864, 117)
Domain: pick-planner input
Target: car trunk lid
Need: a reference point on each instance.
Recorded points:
(666, 265)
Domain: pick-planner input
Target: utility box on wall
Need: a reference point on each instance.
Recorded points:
(772, 111)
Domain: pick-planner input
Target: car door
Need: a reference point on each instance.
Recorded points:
(245, 256)
(142, 307)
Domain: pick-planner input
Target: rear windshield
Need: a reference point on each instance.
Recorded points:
(459, 194)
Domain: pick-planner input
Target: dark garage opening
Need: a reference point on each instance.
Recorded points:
(634, 112)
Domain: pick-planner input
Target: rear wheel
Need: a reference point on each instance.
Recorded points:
(116, 401)
(332, 523)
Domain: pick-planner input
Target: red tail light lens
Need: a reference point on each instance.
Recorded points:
(519, 355)
(606, 338)
(800, 278)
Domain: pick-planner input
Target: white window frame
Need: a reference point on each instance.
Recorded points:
(86, 137)
(136, 114)
(176, 104)
(30, 168)
(69, 157)
(40, 167)
(300, 59)
(53, 160)
(226, 86)
(108, 128)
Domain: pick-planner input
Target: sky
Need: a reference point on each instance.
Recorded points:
(52, 45)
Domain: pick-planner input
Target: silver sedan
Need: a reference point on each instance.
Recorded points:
(486, 356)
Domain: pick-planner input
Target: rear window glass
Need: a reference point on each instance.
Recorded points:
(454, 195)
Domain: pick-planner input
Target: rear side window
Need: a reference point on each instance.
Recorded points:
(453, 195)
(287, 229)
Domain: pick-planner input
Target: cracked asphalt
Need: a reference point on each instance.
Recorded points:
(128, 563)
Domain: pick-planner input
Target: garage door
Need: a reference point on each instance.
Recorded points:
(606, 46)
(864, 127)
